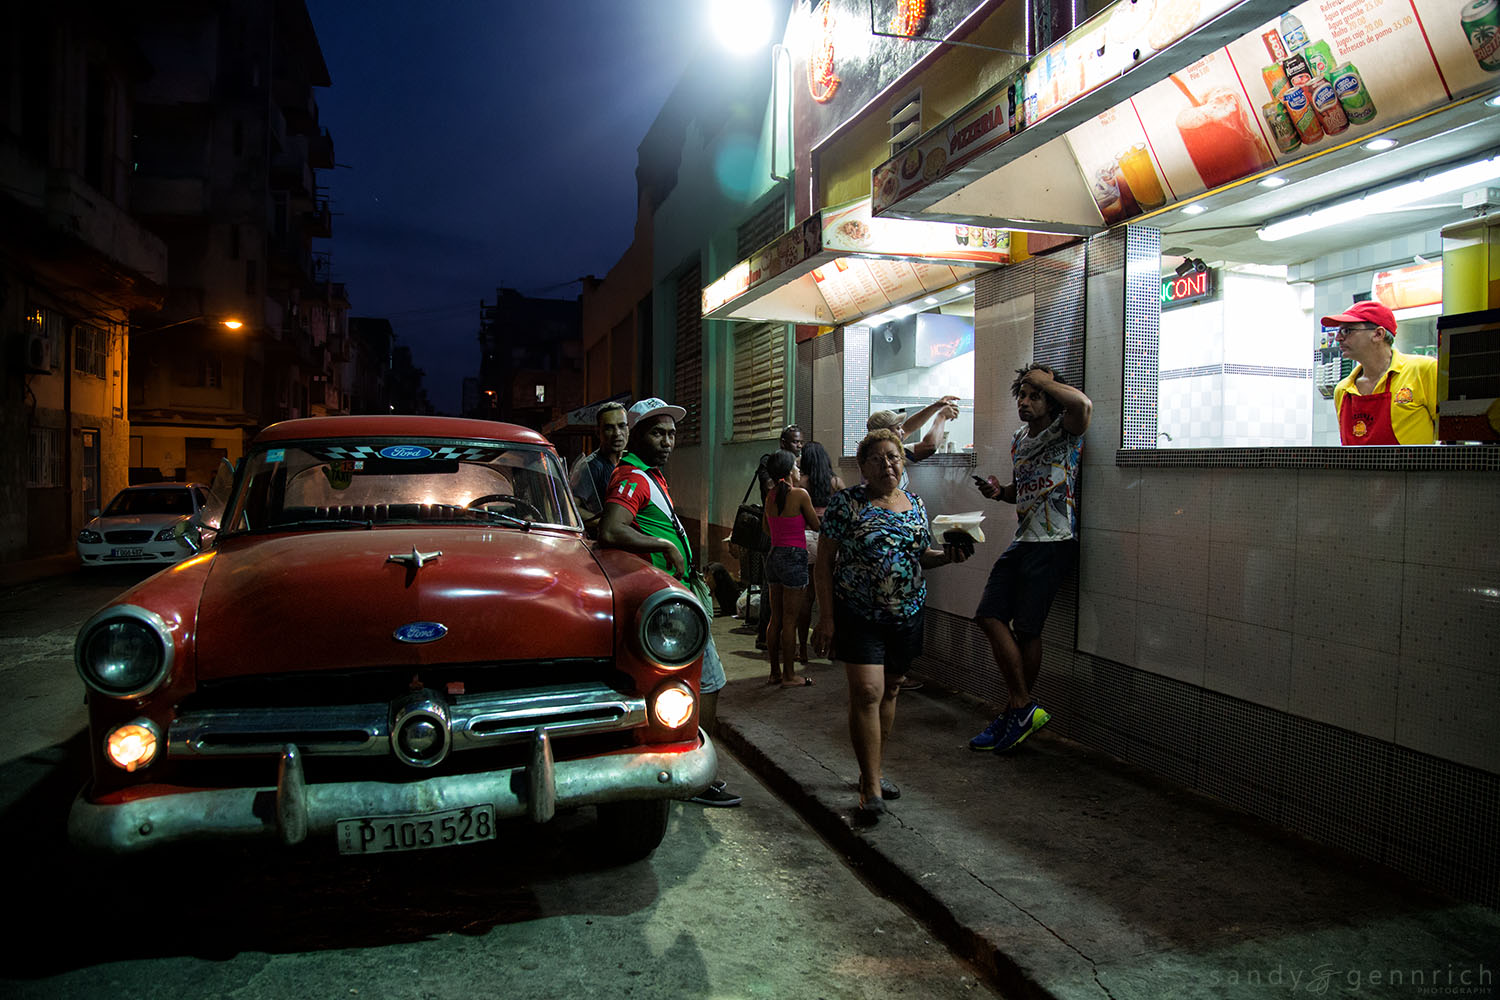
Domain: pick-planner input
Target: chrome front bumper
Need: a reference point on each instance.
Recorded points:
(292, 810)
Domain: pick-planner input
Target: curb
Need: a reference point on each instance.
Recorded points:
(1000, 970)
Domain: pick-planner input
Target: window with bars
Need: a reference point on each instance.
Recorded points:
(763, 227)
(759, 381)
(90, 350)
(44, 457)
(687, 380)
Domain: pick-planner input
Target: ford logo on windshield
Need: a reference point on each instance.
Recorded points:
(420, 632)
(405, 451)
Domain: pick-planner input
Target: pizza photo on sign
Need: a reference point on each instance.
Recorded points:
(911, 164)
(937, 159)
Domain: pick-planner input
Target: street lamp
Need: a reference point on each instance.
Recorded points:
(742, 26)
(228, 322)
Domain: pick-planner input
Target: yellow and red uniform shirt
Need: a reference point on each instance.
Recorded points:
(1411, 382)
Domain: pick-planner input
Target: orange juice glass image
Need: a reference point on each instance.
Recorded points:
(1220, 140)
(1135, 164)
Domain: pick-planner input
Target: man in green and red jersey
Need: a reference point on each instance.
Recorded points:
(639, 516)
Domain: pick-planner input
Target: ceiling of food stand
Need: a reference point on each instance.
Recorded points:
(1226, 230)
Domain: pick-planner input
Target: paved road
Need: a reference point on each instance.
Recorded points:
(736, 903)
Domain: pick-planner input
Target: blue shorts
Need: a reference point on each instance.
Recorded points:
(713, 671)
(1025, 579)
(787, 565)
(857, 639)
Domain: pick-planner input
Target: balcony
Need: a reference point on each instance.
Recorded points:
(320, 220)
(74, 208)
(320, 151)
(290, 170)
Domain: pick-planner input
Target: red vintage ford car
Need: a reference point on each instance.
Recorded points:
(399, 638)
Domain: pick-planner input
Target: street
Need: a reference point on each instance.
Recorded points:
(744, 902)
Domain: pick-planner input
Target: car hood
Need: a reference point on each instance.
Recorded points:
(334, 600)
(124, 522)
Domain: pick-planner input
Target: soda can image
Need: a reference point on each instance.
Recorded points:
(1296, 68)
(1280, 124)
(1319, 59)
(1480, 21)
(1299, 109)
(1275, 78)
(1331, 113)
(1359, 106)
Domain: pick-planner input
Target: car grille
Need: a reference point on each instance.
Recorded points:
(127, 537)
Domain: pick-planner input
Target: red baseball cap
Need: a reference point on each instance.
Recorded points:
(1368, 311)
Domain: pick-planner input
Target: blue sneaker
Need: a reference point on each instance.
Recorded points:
(990, 738)
(1022, 724)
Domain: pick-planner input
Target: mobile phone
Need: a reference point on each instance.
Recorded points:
(980, 481)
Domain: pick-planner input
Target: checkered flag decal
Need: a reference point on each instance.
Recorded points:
(462, 453)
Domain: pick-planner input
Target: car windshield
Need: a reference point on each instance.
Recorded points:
(132, 503)
(337, 484)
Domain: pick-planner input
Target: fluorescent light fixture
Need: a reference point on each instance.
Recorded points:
(965, 289)
(1193, 209)
(1381, 145)
(930, 300)
(1388, 199)
(1494, 102)
(1273, 181)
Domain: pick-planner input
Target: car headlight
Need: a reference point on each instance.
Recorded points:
(123, 651)
(88, 537)
(673, 705)
(674, 628)
(133, 745)
(170, 532)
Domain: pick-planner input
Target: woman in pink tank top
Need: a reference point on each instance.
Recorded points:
(789, 514)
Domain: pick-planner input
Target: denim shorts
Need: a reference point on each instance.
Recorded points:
(857, 639)
(1025, 579)
(787, 565)
(713, 671)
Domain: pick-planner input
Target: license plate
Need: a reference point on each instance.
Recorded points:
(386, 834)
(127, 553)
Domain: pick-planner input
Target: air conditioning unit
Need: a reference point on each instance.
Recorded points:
(39, 353)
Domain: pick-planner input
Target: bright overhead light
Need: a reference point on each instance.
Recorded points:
(964, 289)
(742, 26)
(1494, 102)
(1273, 182)
(931, 300)
(1193, 209)
(1385, 200)
(1381, 145)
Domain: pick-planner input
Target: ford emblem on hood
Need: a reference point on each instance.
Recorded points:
(405, 451)
(420, 632)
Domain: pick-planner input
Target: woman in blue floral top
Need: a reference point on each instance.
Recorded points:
(875, 543)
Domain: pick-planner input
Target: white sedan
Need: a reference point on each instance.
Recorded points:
(142, 524)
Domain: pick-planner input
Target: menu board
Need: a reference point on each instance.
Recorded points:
(1323, 73)
(849, 228)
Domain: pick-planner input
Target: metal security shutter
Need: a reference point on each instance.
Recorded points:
(761, 228)
(687, 380)
(759, 381)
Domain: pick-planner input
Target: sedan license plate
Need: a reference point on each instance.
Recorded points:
(130, 553)
(385, 834)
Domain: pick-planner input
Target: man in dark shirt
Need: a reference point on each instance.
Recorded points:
(589, 477)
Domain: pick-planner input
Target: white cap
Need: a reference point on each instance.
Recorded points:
(652, 407)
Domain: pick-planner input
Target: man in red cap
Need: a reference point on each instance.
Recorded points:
(1390, 397)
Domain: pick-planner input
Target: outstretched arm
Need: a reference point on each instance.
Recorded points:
(617, 529)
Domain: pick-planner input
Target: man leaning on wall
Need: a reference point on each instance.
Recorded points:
(1389, 397)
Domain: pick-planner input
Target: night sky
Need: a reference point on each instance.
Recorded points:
(485, 143)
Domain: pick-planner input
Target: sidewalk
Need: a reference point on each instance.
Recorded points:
(1061, 872)
(27, 570)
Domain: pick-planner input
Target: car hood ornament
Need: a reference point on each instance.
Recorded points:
(415, 559)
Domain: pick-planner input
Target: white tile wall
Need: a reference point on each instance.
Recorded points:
(1250, 505)
(1108, 562)
(1107, 626)
(1190, 411)
(1118, 492)
(1265, 411)
(1265, 322)
(1451, 615)
(1248, 661)
(1453, 520)
(1173, 572)
(1362, 513)
(1350, 688)
(1449, 710)
(1252, 582)
(1175, 502)
(1171, 642)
